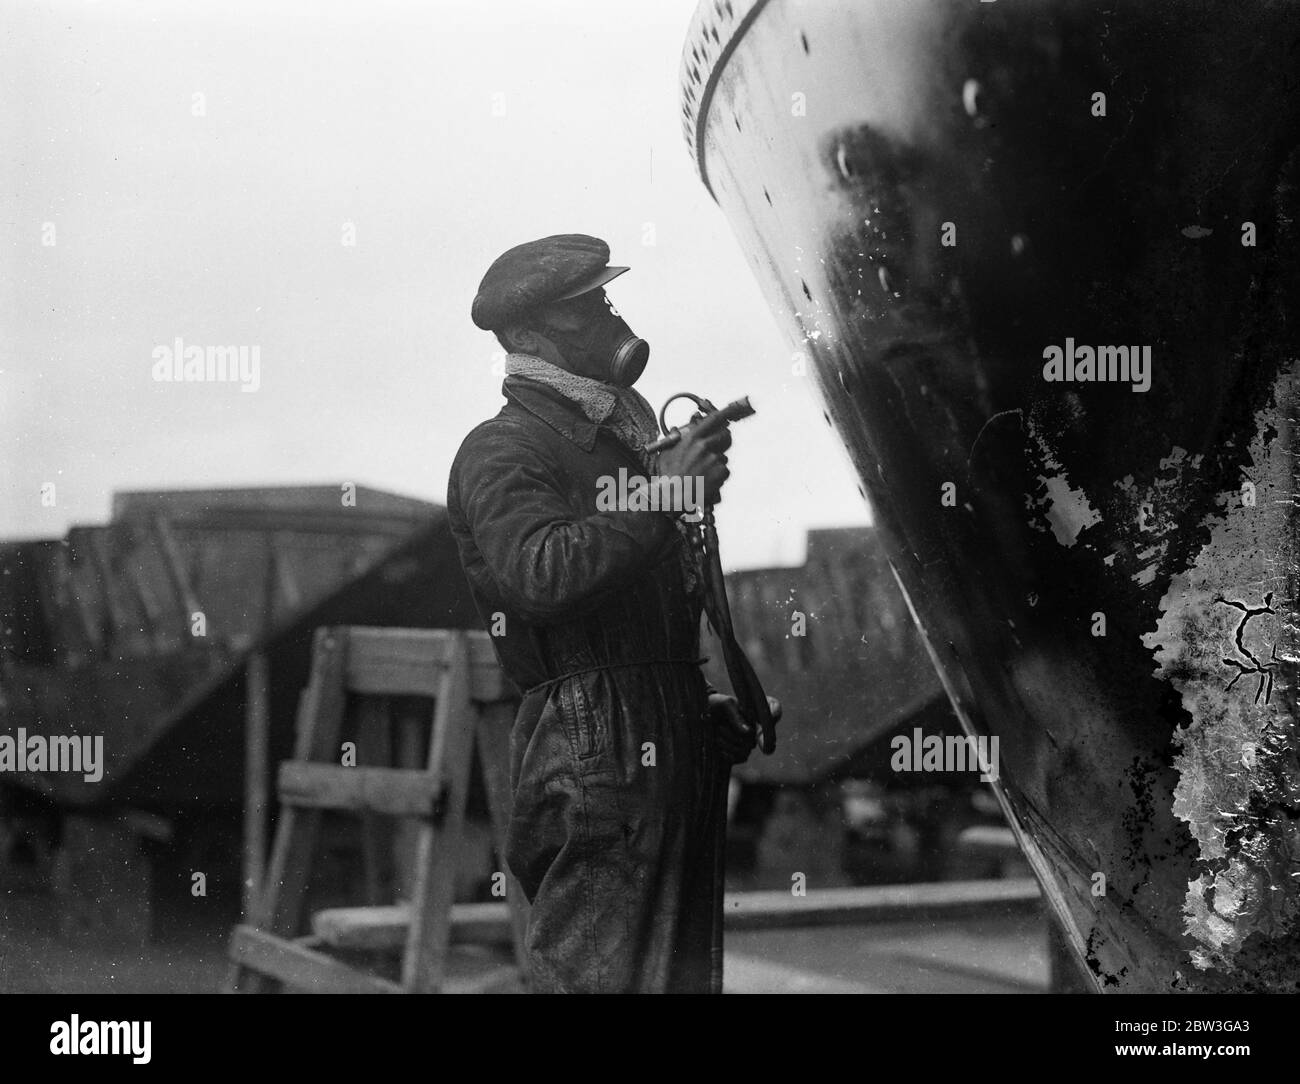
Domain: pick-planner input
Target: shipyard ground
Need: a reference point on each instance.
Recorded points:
(988, 954)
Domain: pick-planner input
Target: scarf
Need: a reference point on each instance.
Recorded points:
(623, 410)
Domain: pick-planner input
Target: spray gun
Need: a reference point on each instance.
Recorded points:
(750, 697)
(733, 412)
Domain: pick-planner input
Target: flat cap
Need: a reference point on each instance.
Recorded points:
(539, 272)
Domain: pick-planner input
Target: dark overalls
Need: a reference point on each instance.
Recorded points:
(616, 778)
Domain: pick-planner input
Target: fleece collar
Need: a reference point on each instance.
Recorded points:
(624, 411)
(554, 409)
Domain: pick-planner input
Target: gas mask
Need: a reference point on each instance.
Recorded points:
(606, 346)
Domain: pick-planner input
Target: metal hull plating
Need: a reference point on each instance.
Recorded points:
(933, 196)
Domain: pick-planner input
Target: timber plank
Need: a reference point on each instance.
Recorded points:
(450, 756)
(294, 964)
(878, 903)
(410, 662)
(393, 791)
(386, 927)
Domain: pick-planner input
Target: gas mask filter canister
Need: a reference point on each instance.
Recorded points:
(608, 346)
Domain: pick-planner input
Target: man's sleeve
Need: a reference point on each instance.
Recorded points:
(547, 562)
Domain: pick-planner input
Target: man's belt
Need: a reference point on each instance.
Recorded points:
(613, 666)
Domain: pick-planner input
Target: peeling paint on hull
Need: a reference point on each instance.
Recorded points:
(1227, 642)
(844, 142)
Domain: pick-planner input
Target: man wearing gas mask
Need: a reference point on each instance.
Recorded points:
(619, 748)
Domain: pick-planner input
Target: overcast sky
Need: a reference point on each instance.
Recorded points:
(196, 167)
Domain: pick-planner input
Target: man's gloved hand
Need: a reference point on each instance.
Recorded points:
(701, 453)
(735, 737)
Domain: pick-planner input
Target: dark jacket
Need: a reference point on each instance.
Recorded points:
(578, 588)
(614, 776)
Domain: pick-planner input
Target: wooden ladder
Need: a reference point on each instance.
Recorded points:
(473, 707)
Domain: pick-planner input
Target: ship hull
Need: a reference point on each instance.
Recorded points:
(962, 212)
